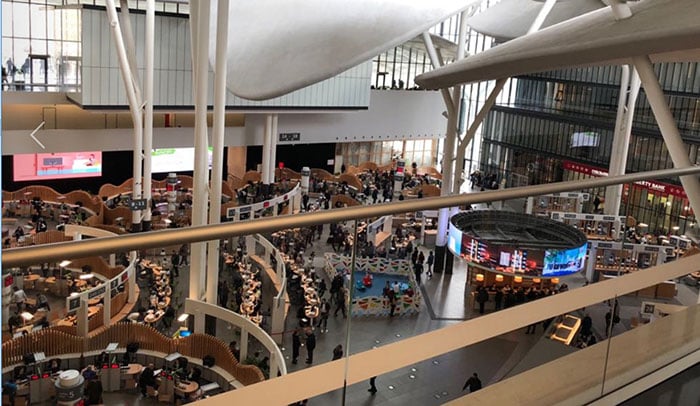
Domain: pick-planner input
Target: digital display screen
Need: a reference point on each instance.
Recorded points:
(454, 240)
(58, 165)
(563, 262)
(175, 159)
(585, 139)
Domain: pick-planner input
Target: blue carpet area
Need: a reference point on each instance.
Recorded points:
(378, 284)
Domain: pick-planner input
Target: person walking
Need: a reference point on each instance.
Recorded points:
(372, 387)
(340, 302)
(322, 287)
(175, 261)
(337, 352)
(430, 261)
(310, 346)
(323, 317)
(296, 344)
(474, 383)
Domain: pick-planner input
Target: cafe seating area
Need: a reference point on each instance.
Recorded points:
(117, 357)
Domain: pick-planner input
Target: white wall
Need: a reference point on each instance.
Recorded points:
(392, 115)
(102, 84)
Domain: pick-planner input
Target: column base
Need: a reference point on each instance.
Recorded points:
(439, 265)
(147, 225)
(136, 227)
(449, 262)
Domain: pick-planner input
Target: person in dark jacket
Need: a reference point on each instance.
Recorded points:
(147, 379)
(474, 383)
(338, 352)
(310, 346)
(482, 296)
(296, 344)
(93, 392)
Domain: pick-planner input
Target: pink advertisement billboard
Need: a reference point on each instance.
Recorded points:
(58, 165)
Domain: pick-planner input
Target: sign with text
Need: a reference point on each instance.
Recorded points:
(287, 137)
(138, 204)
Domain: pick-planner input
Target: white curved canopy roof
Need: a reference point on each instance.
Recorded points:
(512, 18)
(667, 30)
(276, 47)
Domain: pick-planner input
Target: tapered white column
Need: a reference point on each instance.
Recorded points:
(669, 131)
(266, 150)
(200, 195)
(217, 167)
(148, 117)
(134, 107)
(273, 147)
(623, 131)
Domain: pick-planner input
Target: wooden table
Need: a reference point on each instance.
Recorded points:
(185, 389)
(31, 277)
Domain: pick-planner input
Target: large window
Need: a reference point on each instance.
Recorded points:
(41, 42)
(40, 46)
(422, 152)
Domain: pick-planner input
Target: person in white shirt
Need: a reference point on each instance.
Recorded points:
(19, 297)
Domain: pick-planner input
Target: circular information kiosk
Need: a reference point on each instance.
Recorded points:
(516, 245)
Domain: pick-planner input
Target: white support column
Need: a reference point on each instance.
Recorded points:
(473, 127)
(148, 119)
(541, 16)
(112, 260)
(669, 130)
(218, 146)
(200, 195)
(134, 107)
(435, 62)
(621, 141)
(130, 45)
(266, 151)
(273, 147)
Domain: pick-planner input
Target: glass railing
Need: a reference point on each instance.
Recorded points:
(418, 331)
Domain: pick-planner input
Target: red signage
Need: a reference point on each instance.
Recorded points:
(660, 187)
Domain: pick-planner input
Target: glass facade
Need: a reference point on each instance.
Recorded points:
(41, 42)
(559, 126)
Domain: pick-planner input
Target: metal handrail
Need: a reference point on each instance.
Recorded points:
(169, 237)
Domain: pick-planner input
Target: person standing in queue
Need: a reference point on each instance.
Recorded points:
(296, 344)
(310, 346)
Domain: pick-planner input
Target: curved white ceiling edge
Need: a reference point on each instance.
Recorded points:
(512, 18)
(665, 29)
(276, 47)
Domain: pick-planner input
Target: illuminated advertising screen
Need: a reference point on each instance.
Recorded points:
(58, 165)
(174, 159)
(475, 251)
(454, 240)
(563, 262)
